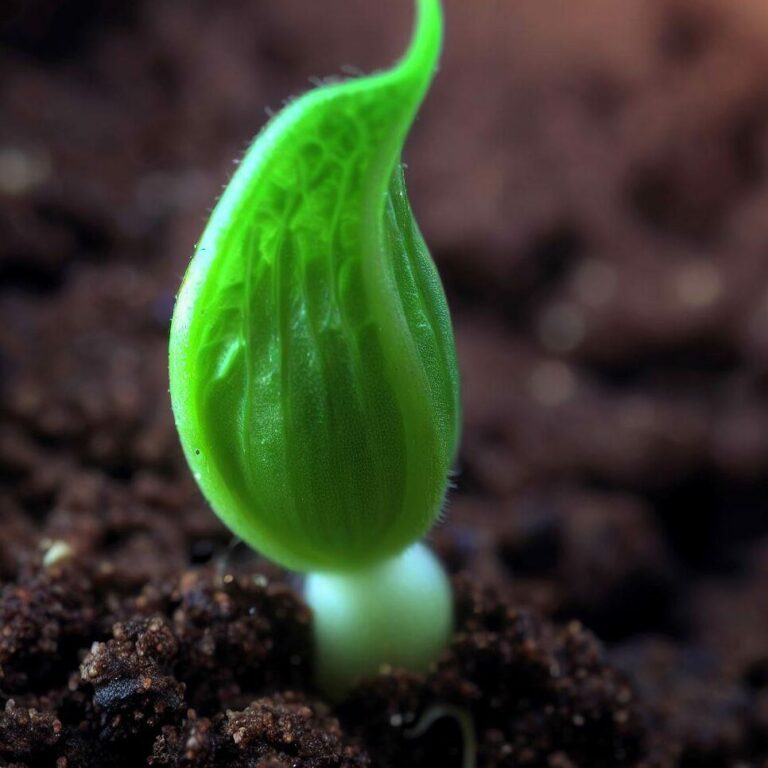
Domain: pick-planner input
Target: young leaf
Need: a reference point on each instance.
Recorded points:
(312, 364)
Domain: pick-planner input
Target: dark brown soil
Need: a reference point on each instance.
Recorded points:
(593, 181)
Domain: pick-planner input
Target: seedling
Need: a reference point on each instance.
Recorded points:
(313, 368)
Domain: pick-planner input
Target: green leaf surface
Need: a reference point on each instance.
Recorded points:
(312, 363)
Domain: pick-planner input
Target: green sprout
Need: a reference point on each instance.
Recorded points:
(313, 369)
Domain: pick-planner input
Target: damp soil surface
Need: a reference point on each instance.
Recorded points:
(594, 189)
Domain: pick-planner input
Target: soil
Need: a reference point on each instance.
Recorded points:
(593, 185)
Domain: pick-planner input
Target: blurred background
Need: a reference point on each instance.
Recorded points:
(591, 179)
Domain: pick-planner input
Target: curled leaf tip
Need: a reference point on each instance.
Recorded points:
(312, 363)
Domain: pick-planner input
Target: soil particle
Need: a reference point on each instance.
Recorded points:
(43, 620)
(286, 727)
(228, 631)
(285, 731)
(117, 674)
(133, 692)
(26, 733)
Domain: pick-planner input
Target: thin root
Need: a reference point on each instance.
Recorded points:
(466, 725)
